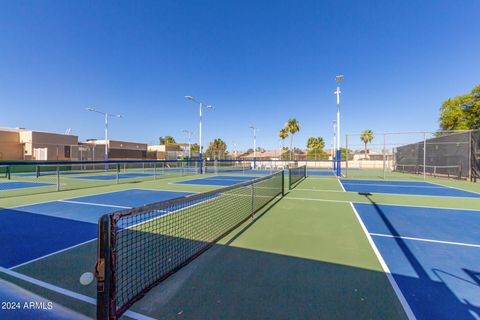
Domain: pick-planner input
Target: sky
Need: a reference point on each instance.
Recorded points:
(258, 62)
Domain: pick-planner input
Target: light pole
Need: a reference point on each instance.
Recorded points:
(106, 115)
(338, 78)
(254, 146)
(200, 127)
(334, 143)
(189, 135)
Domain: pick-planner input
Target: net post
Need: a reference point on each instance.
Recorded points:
(289, 179)
(253, 200)
(118, 172)
(58, 178)
(9, 172)
(37, 170)
(283, 182)
(102, 269)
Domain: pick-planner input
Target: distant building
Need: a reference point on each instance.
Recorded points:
(119, 150)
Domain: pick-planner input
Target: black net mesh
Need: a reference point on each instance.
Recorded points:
(296, 174)
(149, 244)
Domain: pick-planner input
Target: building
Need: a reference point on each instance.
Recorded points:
(118, 150)
(23, 144)
(171, 151)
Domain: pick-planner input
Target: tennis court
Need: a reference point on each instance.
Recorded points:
(350, 249)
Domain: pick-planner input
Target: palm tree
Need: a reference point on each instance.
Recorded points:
(167, 140)
(283, 134)
(366, 136)
(292, 126)
(315, 144)
(216, 147)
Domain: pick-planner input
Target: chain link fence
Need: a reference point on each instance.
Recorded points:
(413, 155)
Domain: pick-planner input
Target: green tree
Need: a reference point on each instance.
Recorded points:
(283, 134)
(461, 112)
(216, 149)
(315, 146)
(292, 126)
(195, 147)
(366, 136)
(167, 140)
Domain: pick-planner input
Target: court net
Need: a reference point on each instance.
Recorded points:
(296, 174)
(138, 248)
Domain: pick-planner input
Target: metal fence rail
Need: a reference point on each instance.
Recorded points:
(27, 178)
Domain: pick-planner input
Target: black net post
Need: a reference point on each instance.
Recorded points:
(103, 269)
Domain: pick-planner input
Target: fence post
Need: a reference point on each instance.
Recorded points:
(384, 155)
(118, 172)
(58, 178)
(424, 156)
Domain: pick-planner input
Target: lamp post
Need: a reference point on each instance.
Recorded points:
(106, 115)
(200, 126)
(334, 144)
(189, 135)
(339, 79)
(254, 146)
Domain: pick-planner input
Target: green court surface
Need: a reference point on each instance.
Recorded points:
(304, 256)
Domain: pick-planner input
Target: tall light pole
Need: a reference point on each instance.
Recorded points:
(254, 146)
(339, 79)
(200, 126)
(334, 144)
(106, 115)
(189, 135)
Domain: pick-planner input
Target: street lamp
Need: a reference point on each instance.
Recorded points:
(189, 135)
(254, 146)
(334, 143)
(106, 115)
(200, 126)
(339, 79)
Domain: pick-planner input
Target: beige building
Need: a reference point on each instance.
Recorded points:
(23, 144)
(10, 146)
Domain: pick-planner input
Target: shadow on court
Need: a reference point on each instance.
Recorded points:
(428, 298)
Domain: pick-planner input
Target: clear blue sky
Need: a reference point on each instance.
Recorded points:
(259, 62)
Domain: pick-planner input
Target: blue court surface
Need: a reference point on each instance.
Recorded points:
(218, 180)
(419, 188)
(432, 254)
(4, 186)
(30, 232)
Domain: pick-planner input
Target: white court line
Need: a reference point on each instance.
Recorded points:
(438, 184)
(341, 185)
(385, 268)
(394, 185)
(427, 240)
(94, 204)
(51, 254)
(379, 203)
(66, 292)
(390, 193)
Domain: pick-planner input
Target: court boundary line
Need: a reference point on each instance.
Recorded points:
(438, 184)
(386, 269)
(426, 240)
(94, 204)
(383, 204)
(51, 254)
(395, 194)
(66, 292)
